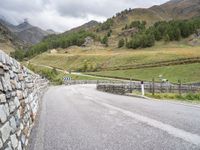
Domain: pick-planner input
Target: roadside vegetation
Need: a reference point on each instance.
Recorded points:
(56, 77)
(190, 97)
(52, 75)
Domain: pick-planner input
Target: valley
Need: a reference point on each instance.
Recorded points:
(137, 44)
(94, 59)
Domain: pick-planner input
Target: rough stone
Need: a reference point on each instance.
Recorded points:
(2, 71)
(9, 147)
(5, 131)
(1, 144)
(7, 109)
(14, 141)
(2, 98)
(1, 86)
(3, 115)
(2, 57)
(19, 146)
(13, 124)
(16, 101)
(12, 106)
(19, 94)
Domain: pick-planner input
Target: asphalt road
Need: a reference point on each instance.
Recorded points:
(80, 118)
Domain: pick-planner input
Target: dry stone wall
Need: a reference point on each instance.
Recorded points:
(20, 92)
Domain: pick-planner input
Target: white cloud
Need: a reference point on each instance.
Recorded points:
(62, 15)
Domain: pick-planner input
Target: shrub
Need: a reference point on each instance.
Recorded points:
(121, 43)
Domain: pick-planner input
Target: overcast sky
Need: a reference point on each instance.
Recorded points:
(61, 15)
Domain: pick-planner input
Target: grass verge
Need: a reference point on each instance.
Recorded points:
(189, 97)
(55, 76)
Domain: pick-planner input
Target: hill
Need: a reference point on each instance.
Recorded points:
(115, 28)
(132, 41)
(87, 26)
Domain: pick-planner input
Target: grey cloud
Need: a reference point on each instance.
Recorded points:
(64, 14)
(106, 8)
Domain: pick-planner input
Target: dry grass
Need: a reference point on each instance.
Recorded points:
(113, 57)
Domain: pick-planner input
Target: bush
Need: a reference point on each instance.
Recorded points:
(104, 40)
(18, 54)
(141, 41)
(121, 43)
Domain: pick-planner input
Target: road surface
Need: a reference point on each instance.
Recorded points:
(80, 118)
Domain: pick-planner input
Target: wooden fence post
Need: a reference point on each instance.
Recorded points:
(153, 88)
(179, 87)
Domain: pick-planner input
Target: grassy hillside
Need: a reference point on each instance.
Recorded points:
(186, 73)
(153, 41)
(97, 57)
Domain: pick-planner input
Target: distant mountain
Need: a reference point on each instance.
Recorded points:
(26, 32)
(86, 26)
(32, 35)
(9, 41)
(178, 9)
(50, 31)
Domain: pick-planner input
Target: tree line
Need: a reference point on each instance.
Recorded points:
(53, 42)
(174, 30)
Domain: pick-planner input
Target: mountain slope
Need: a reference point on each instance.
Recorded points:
(26, 32)
(174, 9)
(179, 9)
(32, 35)
(87, 26)
(9, 41)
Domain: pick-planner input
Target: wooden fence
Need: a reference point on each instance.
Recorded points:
(128, 86)
(123, 88)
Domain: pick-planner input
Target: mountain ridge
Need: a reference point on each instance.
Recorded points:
(26, 32)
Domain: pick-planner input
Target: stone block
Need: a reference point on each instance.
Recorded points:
(1, 86)
(19, 146)
(6, 68)
(12, 106)
(2, 71)
(5, 131)
(2, 57)
(1, 144)
(21, 77)
(12, 75)
(8, 147)
(14, 141)
(19, 94)
(16, 101)
(7, 109)
(3, 115)
(2, 98)
(13, 124)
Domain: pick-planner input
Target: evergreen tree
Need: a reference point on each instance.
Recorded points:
(121, 43)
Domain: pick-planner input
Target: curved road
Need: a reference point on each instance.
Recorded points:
(80, 118)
